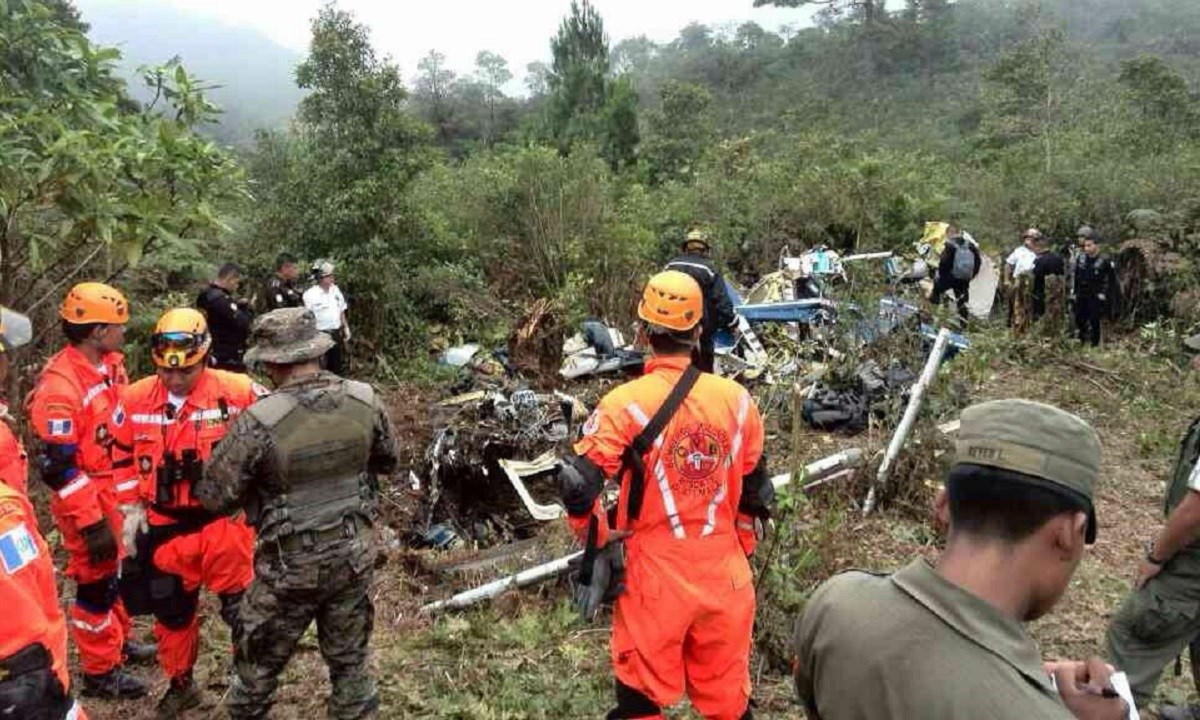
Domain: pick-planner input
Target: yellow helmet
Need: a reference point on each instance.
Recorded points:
(672, 300)
(93, 302)
(180, 339)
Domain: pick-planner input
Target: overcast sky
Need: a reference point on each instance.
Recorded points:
(519, 30)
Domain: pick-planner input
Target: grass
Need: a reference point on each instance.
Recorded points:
(526, 656)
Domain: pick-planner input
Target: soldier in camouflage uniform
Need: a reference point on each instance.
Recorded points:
(303, 464)
(1161, 616)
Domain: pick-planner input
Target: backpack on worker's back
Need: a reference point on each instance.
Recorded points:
(964, 261)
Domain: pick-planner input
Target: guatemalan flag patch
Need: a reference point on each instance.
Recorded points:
(59, 428)
(17, 549)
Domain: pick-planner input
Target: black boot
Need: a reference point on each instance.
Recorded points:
(180, 696)
(139, 653)
(115, 683)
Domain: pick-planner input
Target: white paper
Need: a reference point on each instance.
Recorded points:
(1120, 683)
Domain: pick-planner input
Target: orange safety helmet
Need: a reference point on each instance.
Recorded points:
(93, 302)
(672, 300)
(180, 339)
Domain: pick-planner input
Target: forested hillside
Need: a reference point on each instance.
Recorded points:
(251, 77)
(852, 132)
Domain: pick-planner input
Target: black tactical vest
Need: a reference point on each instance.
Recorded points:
(321, 458)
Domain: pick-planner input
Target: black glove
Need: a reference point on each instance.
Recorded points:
(607, 581)
(101, 543)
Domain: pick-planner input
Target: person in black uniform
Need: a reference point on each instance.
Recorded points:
(1046, 263)
(718, 309)
(228, 318)
(1095, 287)
(281, 290)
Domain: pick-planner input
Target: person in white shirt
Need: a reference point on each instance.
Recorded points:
(327, 304)
(1020, 261)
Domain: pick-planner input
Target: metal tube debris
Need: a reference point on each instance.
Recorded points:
(497, 587)
(910, 417)
(823, 468)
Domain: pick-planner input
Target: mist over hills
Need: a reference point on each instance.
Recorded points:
(255, 75)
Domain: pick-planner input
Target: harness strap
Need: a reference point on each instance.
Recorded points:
(632, 457)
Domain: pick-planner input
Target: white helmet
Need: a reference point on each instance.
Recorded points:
(322, 268)
(15, 330)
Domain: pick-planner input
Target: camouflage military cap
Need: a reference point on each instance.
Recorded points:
(1035, 440)
(287, 336)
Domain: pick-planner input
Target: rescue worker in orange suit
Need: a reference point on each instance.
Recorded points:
(684, 613)
(169, 423)
(70, 412)
(34, 680)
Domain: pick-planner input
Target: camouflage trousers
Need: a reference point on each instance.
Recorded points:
(1151, 629)
(276, 613)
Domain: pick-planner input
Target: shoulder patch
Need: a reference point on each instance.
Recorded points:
(272, 409)
(361, 391)
(58, 428)
(17, 548)
(593, 423)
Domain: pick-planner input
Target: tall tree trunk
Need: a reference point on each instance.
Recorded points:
(7, 239)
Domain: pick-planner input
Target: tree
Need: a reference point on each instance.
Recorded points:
(578, 76)
(537, 79)
(681, 131)
(88, 173)
(584, 103)
(1028, 92)
(354, 150)
(492, 71)
(869, 15)
(621, 124)
(432, 92)
(1157, 91)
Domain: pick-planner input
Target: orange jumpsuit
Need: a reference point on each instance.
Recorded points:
(71, 407)
(28, 592)
(14, 463)
(686, 617)
(199, 548)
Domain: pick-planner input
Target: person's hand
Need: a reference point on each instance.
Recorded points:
(1146, 570)
(133, 522)
(346, 333)
(1086, 689)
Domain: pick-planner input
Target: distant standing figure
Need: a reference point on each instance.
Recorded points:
(326, 302)
(1020, 261)
(1095, 283)
(281, 290)
(228, 317)
(718, 309)
(1046, 264)
(958, 266)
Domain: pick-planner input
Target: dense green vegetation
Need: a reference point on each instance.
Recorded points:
(453, 206)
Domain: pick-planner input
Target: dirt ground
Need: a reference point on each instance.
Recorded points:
(527, 656)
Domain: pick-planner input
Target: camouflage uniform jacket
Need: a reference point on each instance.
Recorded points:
(241, 473)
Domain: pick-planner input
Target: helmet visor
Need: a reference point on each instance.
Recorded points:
(176, 349)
